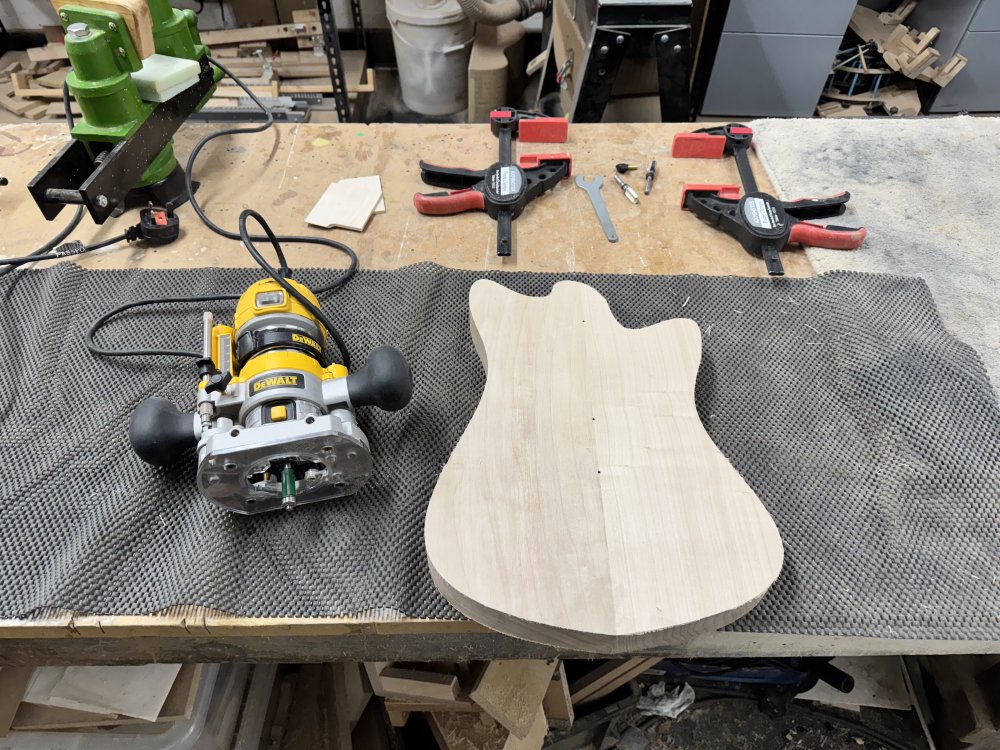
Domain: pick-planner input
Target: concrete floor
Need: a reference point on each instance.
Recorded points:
(739, 725)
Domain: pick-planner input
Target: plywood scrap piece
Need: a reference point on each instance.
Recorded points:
(261, 33)
(138, 691)
(24, 88)
(413, 685)
(34, 717)
(607, 494)
(461, 705)
(56, 109)
(13, 104)
(348, 204)
(54, 80)
(136, 15)
(456, 731)
(607, 678)
(418, 685)
(13, 684)
(48, 52)
(511, 690)
(10, 63)
(36, 112)
(557, 704)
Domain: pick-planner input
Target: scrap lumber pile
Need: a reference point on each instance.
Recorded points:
(88, 699)
(878, 76)
(506, 704)
(31, 83)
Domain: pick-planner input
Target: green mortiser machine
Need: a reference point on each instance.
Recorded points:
(139, 70)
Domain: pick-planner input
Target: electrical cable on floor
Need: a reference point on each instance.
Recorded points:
(248, 241)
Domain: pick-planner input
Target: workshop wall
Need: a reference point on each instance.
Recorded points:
(29, 15)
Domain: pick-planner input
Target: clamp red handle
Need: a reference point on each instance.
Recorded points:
(445, 204)
(815, 235)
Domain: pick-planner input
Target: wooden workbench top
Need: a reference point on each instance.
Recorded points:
(281, 173)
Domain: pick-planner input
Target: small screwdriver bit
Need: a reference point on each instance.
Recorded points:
(650, 176)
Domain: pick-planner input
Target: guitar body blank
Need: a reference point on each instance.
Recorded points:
(585, 506)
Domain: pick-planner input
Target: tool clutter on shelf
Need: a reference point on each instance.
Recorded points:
(759, 221)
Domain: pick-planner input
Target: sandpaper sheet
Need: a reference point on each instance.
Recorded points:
(870, 433)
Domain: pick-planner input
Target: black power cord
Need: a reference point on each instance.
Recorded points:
(248, 240)
(70, 248)
(42, 252)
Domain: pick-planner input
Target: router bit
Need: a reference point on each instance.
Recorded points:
(650, 176)
(629, 192)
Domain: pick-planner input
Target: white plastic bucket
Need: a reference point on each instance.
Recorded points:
(433, 40)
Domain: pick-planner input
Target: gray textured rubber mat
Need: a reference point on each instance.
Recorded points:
(870, 433)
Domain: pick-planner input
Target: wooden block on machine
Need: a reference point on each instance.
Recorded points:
(607, 678)
(307, 16)
(557, 704)
(135, 14)
(511, 690)
(568, 546)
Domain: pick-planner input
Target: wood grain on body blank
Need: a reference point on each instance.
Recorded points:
(585, 506)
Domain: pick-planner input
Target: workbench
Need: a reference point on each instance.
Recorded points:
(281, 173)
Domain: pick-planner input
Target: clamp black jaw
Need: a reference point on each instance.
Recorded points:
(764, 225)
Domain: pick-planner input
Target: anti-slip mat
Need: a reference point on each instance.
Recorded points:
(871, 435)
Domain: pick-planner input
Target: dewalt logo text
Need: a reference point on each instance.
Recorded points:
(298, 338)
(277, 380)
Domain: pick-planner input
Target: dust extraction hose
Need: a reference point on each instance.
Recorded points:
(496, 14)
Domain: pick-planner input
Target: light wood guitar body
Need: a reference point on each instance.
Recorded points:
(585, 506)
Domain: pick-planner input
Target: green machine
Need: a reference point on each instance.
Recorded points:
(139, 70)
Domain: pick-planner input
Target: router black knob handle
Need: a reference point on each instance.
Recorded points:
(385, 381)
(160, 433)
